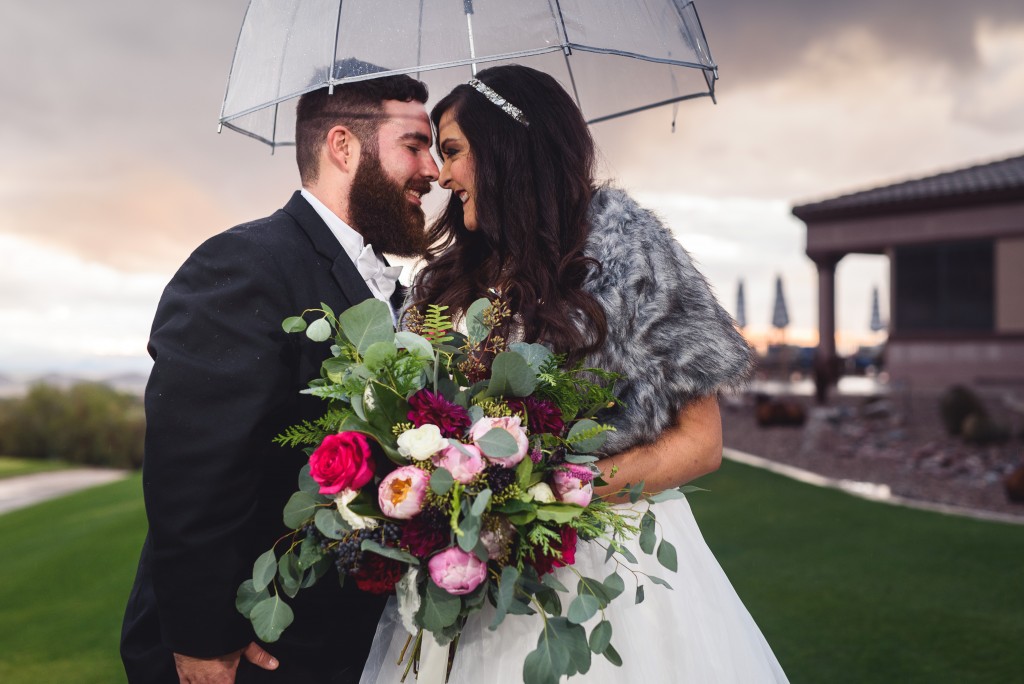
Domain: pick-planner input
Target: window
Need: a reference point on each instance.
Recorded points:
(945, 288)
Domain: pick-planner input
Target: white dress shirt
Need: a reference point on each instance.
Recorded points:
(379, 277)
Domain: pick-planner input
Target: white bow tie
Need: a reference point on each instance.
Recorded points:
(374, 271)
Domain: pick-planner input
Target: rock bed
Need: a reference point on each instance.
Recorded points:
(898, 441)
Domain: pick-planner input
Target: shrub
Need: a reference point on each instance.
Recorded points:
(90, 424)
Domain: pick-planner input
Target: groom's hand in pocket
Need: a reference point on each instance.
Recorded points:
(221, 670)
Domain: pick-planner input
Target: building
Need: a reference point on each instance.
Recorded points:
(955, 243)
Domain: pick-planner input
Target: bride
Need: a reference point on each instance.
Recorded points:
(595, 276)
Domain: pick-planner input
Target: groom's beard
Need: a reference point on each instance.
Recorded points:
(381, 212)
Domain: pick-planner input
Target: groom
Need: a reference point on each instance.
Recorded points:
(226, 380)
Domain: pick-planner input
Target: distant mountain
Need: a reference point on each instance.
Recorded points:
(130, 383)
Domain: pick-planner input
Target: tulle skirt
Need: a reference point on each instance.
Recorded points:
(698, 631)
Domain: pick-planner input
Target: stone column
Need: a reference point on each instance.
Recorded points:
(826, 365)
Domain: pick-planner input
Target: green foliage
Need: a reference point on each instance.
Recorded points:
(578, 391)
(437, 325)
(311, 433)
(87, 424)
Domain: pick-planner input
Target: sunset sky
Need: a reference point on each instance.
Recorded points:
(111, 171)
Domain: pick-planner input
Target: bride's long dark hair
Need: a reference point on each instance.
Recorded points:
(533, 186)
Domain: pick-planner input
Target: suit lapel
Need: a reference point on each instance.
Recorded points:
(345, 273)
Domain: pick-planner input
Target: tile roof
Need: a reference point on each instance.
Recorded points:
(997, 181)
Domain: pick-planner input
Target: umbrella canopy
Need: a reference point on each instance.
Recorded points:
(614, 57)
(780, 317)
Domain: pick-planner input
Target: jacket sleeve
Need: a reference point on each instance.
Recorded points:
(221, 370)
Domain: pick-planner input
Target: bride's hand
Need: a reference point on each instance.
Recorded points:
(690, 449)
(222, 669)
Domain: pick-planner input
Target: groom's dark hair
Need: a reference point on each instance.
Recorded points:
(358, 106)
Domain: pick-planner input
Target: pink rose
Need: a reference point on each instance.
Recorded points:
(463, 463)
(511, 425)
(401, 493)
(569, 488)
(456, 571)
(342, 461)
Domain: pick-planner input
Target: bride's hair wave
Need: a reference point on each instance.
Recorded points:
(533, 185)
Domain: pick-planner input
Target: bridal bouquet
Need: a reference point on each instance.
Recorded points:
(492, 446)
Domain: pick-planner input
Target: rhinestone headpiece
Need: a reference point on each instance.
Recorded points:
(506, 106)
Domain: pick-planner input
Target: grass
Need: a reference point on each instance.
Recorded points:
(845, 590)
(13, 467)
(67, 568)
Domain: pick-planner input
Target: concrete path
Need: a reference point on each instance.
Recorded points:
(866, 490)
(18, 492)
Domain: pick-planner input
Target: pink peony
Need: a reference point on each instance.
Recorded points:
(342, 461)
(464, 464)
(511, 425)
(570, 488)
(401, 493)
(456, 571)
(428, 408)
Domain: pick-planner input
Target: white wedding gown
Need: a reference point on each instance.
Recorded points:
(699, 631)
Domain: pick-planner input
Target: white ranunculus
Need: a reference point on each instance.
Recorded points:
(355, 521)
(541, 493)
(421, 443)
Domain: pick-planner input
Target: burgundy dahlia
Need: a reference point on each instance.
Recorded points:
(429, 408)
(378, 575)
(545, 564)
(541, 415)
(425, 533)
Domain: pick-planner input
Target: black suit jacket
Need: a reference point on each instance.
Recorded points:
(226, 380)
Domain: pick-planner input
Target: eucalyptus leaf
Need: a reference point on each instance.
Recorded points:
(690, 489)
(293, 324)
(417, 345)
(247, 597)
(601, 636)
(613, 656)
(547, 663)
(378, 354)
(613, 585)
(330, 523)
(358, 406)
(667, 555)
(470, 528)
(667, 495)
(624, 551)
(300, 508)
(549, 601)
(327, 310)
(549, 580)
(270, 617)
(658, 580)
(504, 595)
(319, 330)
(588, 445)
(636, 491)
(367, 323)
(639, 594)
(290, 574)
(441, 481)
(306, 482)
(534, 354)
(475, 326)
(309, 552)
(475, 413)
(388, 552)
(560, 513)
(511, 376)
(574, 638)
(263, 570)
(580, 458)
(523, 473)
(498, 443)
(647, 538)
(439, 608)
(583, 607)
(480, 503)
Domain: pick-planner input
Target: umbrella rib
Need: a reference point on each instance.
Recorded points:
(334, 56)
(231, 70)
(566, 50)
(646, 107)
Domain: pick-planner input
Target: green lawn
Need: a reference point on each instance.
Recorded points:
(845, 590)
(12, 467)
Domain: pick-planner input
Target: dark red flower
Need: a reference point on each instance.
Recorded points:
(428, 408)
(567, 547)
(377, 574)
(425, 533)
(541, 415)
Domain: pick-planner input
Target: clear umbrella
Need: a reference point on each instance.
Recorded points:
(615, 57)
